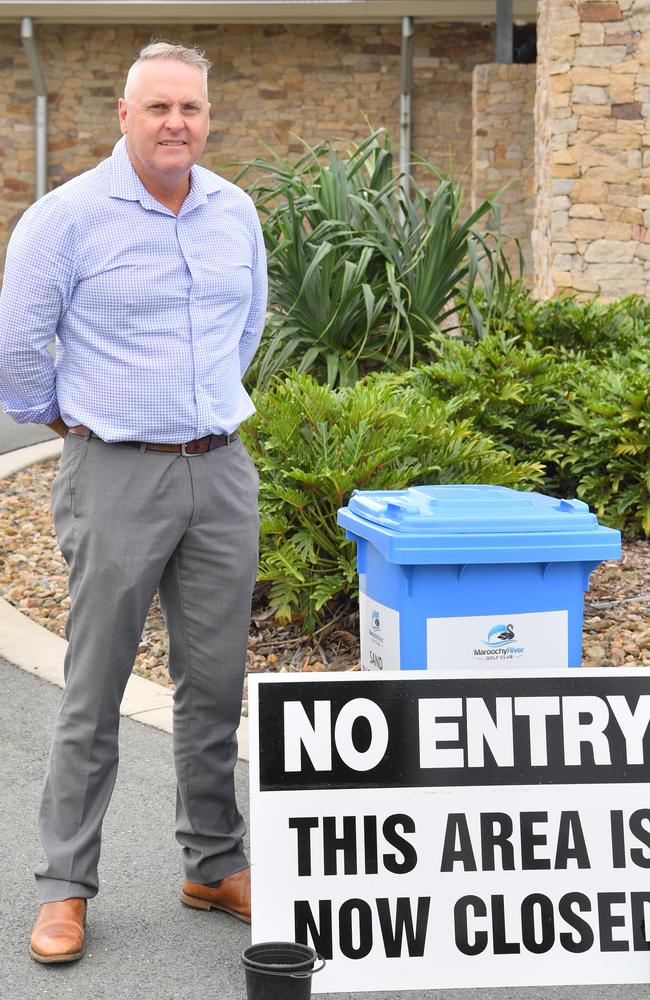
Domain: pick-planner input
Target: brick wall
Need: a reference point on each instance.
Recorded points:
(593, 148)
(503, 149)
(268, 85)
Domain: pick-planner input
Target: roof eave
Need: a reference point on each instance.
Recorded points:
(257, 11)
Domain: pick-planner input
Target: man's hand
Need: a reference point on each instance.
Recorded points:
(58, 427)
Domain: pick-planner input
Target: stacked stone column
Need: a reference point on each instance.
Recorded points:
(592, 223)
(502, 151)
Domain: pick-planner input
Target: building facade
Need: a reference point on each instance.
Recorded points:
(565, 139)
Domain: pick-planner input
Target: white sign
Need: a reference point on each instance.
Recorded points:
(379, 629)
(454, 830)
(539, 639)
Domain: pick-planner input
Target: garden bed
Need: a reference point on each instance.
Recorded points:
(33, 578)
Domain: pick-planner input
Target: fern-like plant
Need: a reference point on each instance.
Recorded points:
(609, 447)
(515, 393)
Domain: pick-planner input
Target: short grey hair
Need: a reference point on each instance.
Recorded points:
(165, 50)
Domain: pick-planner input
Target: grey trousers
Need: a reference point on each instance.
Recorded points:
(129, 522)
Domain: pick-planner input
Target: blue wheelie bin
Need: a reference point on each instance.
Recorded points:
(455, 577)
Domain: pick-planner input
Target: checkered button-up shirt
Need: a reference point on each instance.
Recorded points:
(156, 316)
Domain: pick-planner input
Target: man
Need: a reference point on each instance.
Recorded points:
(151, 272)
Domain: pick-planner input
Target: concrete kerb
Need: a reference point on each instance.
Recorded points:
(38, 651)
(14, 461)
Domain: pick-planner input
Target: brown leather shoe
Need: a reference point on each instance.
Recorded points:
(232, 896)
(58, 934)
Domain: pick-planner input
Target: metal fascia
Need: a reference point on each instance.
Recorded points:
(258, 11)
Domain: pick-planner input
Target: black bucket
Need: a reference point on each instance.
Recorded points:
(279, 970)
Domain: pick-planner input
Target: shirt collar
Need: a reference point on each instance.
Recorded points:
(126, 184)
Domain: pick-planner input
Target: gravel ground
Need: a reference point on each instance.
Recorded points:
(33, 578)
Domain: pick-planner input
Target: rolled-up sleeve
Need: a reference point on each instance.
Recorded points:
(254, 325)
(40, 274)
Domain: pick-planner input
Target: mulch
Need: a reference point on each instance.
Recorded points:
(33, 578)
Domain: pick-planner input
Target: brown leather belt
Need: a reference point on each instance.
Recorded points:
(197, 447)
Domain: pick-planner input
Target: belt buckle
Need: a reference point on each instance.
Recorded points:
(199, 451)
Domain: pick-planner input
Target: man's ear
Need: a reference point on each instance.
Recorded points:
(121, 113)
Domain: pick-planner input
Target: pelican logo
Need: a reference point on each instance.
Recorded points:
(375, 624)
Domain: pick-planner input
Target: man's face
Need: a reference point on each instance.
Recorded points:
(165, 118)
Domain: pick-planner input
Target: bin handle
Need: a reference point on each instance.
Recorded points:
(574, 505)
(290, 975)
(371, 504)
(310, 972)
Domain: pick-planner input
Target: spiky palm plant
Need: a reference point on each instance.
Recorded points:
(361, 274)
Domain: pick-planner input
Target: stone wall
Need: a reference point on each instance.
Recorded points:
(592, 229)
(503, 150)
(269, 84)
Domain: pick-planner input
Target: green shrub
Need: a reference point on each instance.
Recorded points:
(515, 393)
(589, 329)
(609, 447)
(314, 445)
(360, 275)
(586, 421)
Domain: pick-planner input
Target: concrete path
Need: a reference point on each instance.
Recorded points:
(142, 943)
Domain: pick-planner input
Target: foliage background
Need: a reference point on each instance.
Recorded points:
(400, 349)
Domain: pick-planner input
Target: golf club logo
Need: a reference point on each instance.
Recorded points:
(500, 635)
(500, 645)
(375, 641)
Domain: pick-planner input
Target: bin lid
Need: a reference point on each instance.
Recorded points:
(476, 523)
(444, 509)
